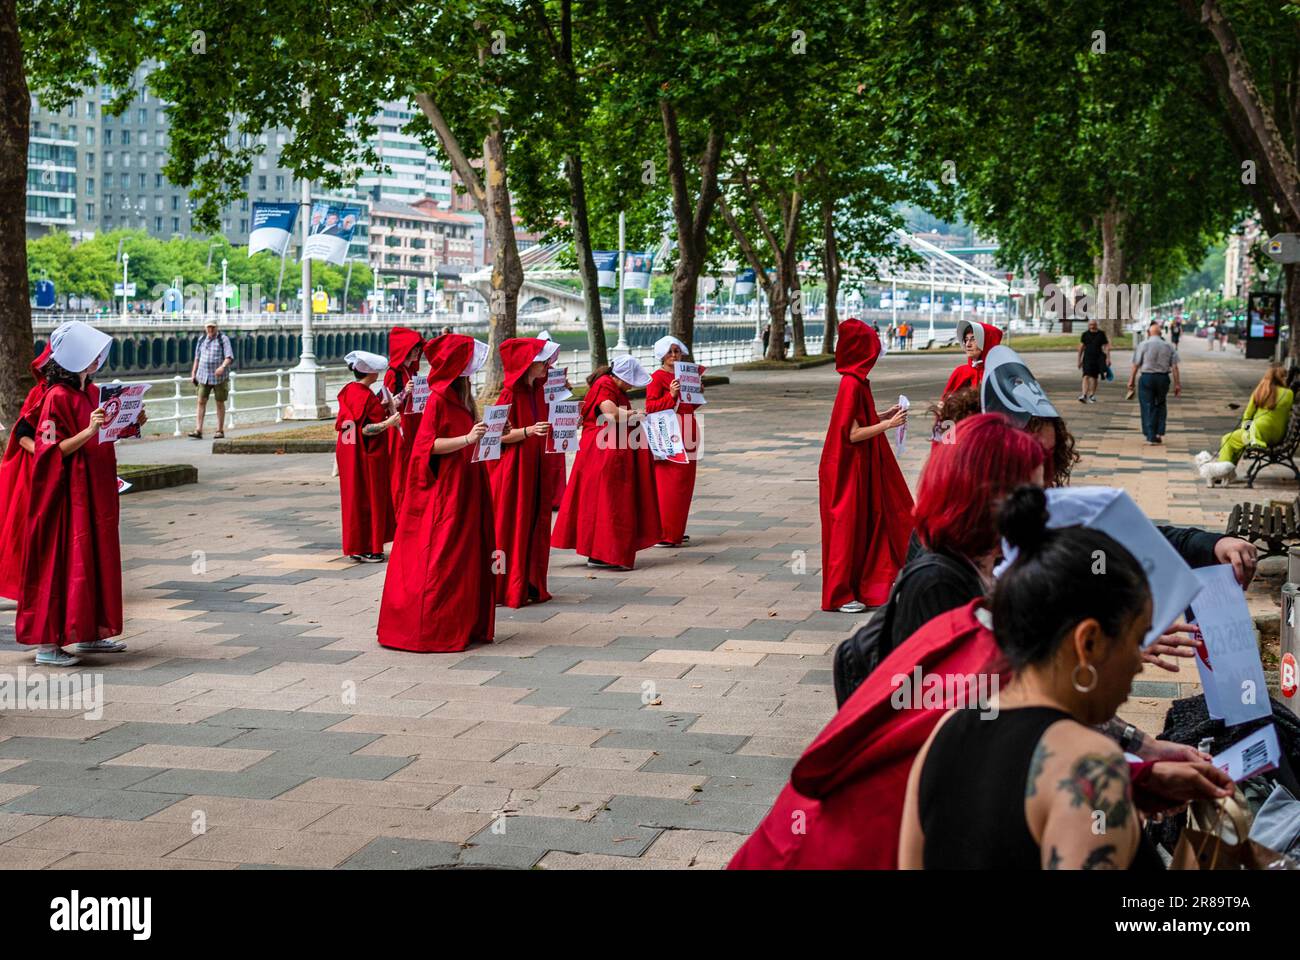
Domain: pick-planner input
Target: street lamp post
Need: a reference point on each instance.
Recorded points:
(225, 293)
(307, 380)
(126, 257)
(621, 346)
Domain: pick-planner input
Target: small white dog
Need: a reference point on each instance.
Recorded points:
(1215, 472)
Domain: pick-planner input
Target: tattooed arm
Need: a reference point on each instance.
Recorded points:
(1079, 803)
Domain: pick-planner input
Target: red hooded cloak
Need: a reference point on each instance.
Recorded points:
(440, 589)
(843, 807)
(368, 521)
(520, 486)
(674, 481)
(72, 580)
(971, 372)
(866, 508)
(401, 341)
(553, 465)
(16, 489)
(610, 509)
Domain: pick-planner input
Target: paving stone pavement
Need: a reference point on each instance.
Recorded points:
(644, 719)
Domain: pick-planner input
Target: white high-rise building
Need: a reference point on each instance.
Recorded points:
(413, 171)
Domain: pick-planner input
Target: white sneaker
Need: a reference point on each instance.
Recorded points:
(56, 658)
(102, 646)
(857, 606)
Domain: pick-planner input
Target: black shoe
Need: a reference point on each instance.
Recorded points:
(368, 557)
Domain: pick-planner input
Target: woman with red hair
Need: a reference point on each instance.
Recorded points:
(865, 504)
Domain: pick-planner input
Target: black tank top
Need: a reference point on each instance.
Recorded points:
(971, 795)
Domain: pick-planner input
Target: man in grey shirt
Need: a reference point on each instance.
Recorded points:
(1157, 362)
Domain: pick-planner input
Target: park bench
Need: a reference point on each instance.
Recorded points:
(1281, 453)
(1272, 525)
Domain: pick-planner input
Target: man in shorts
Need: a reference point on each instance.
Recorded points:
(213, 359)
(1093, 359)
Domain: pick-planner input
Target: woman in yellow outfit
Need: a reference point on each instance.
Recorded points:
(1263, 424)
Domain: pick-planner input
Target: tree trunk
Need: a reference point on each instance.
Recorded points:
(507, 272)
(1291, 304)
(692, 223)
(15, 308)
(831, 271)
(777, 304)
(586, 263)
(1112, 311)
(796, 313)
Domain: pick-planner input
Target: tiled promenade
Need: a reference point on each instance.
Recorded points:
(642, 719)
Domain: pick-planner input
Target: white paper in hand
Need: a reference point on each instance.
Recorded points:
(489, 447)
(1233, 668)
(1253, 754)
(901, 434)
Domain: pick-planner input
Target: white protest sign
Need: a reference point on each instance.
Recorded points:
(565, 418)
(556, 388)
(691, 381)
(489, 448)
(122, 404)
(1257, 753)
(663, 433)
(901, 433)
(419, 393)
(1230, 662)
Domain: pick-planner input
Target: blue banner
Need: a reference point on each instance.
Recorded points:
(45, 295)
(606, 267)
(271, 227)
(744, 283)
(332, 226)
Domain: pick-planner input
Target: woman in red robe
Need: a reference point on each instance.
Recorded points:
(403, 364)
(610, 509)
(361, 452)
(71, 589)
(16, 484)
(440, 592)
(554, 465)
(866, 508)
(977, 339)
(520, 483)
(674, 481)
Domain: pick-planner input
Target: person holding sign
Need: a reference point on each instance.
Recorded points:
(71, 589)
(399, 380)
(16, 484)
(674, 480)
(610, 509)
(866, 508)
(440, 592)
(362, 452)
(554, 466)
(521, 487)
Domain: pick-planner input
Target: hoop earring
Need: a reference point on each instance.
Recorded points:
(1074, 678)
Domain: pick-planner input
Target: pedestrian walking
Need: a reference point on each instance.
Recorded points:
(1093, 359)
(213, 358)
(1155, 367)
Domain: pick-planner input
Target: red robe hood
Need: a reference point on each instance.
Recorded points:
(401, 341)
(517, 355)
(987, 337)
(448, 356)
(857, 349)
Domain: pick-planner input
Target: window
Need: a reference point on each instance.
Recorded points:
(157, 224)
(142, 115)
(90, 109)
(144, 159)
(176, 224)
(108, 201)
(158, 181)
(108, 138)
(243, 226)
(144, 138)
(261, 183)
(143, 180)
(126, 159)
(90, 211)
(90, 136)
(176, 202)
(261, 162)
(279, 183)
(126, 138)
(90, 186)
(108, 160)
(158, 205)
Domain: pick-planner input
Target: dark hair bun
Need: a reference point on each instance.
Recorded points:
(1023, 518)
